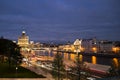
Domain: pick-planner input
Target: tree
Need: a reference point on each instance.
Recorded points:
(81, 69)
(10, 50)
(58, 66)
(114, 70)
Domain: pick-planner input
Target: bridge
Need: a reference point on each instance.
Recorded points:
(95, 58)
(109, 55)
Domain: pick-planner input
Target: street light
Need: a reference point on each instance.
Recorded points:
(16, 70)
(94, 49)
(77, 46)
(16, 62)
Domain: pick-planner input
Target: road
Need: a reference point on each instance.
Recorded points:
(38, 70)
(43, 70)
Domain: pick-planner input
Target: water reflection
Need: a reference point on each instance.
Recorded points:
(72, 57)
(94, 60)
(115, 61)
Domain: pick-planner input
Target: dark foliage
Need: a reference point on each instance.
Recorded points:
(9, 51)
(58, 66)
(114, 70)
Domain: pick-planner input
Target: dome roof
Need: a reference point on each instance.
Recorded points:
(23, 32)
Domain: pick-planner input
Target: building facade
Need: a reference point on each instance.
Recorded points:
(90, 45)
(106, 46)
(23, 40)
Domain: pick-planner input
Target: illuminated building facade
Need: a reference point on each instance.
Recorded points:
(93, 46)
(106, 46)
(23, 40)
(116, 47)
(90, 45)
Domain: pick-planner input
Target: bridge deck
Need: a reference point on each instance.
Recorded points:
(110, 55)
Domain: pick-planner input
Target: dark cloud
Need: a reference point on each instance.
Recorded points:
(60, 19)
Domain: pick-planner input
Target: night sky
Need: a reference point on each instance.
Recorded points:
(62, 20)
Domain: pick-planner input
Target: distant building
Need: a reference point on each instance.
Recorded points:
(106, 46)
(116, 47)
(23, 40)
(84, 45)
(34, 45)
(93, 45)
(77, 45)
(90, 45)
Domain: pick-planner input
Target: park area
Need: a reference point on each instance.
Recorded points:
(12, 71)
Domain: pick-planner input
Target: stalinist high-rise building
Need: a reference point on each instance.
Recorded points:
(23, 40)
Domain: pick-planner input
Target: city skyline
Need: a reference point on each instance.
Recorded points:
(60, 20)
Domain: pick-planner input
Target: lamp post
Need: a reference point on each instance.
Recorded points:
(16, 62)
(77, 46)
(16, 70)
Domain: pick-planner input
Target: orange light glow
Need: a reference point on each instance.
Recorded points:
(72, 57)
(115, 62)
(94, 49)
(65, 56)
(81, 57)
(82, 49)
(93, 59)
(115, 49)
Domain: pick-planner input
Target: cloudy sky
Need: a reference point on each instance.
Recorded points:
(61, 20)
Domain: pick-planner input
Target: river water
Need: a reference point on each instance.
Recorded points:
(90, 59)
